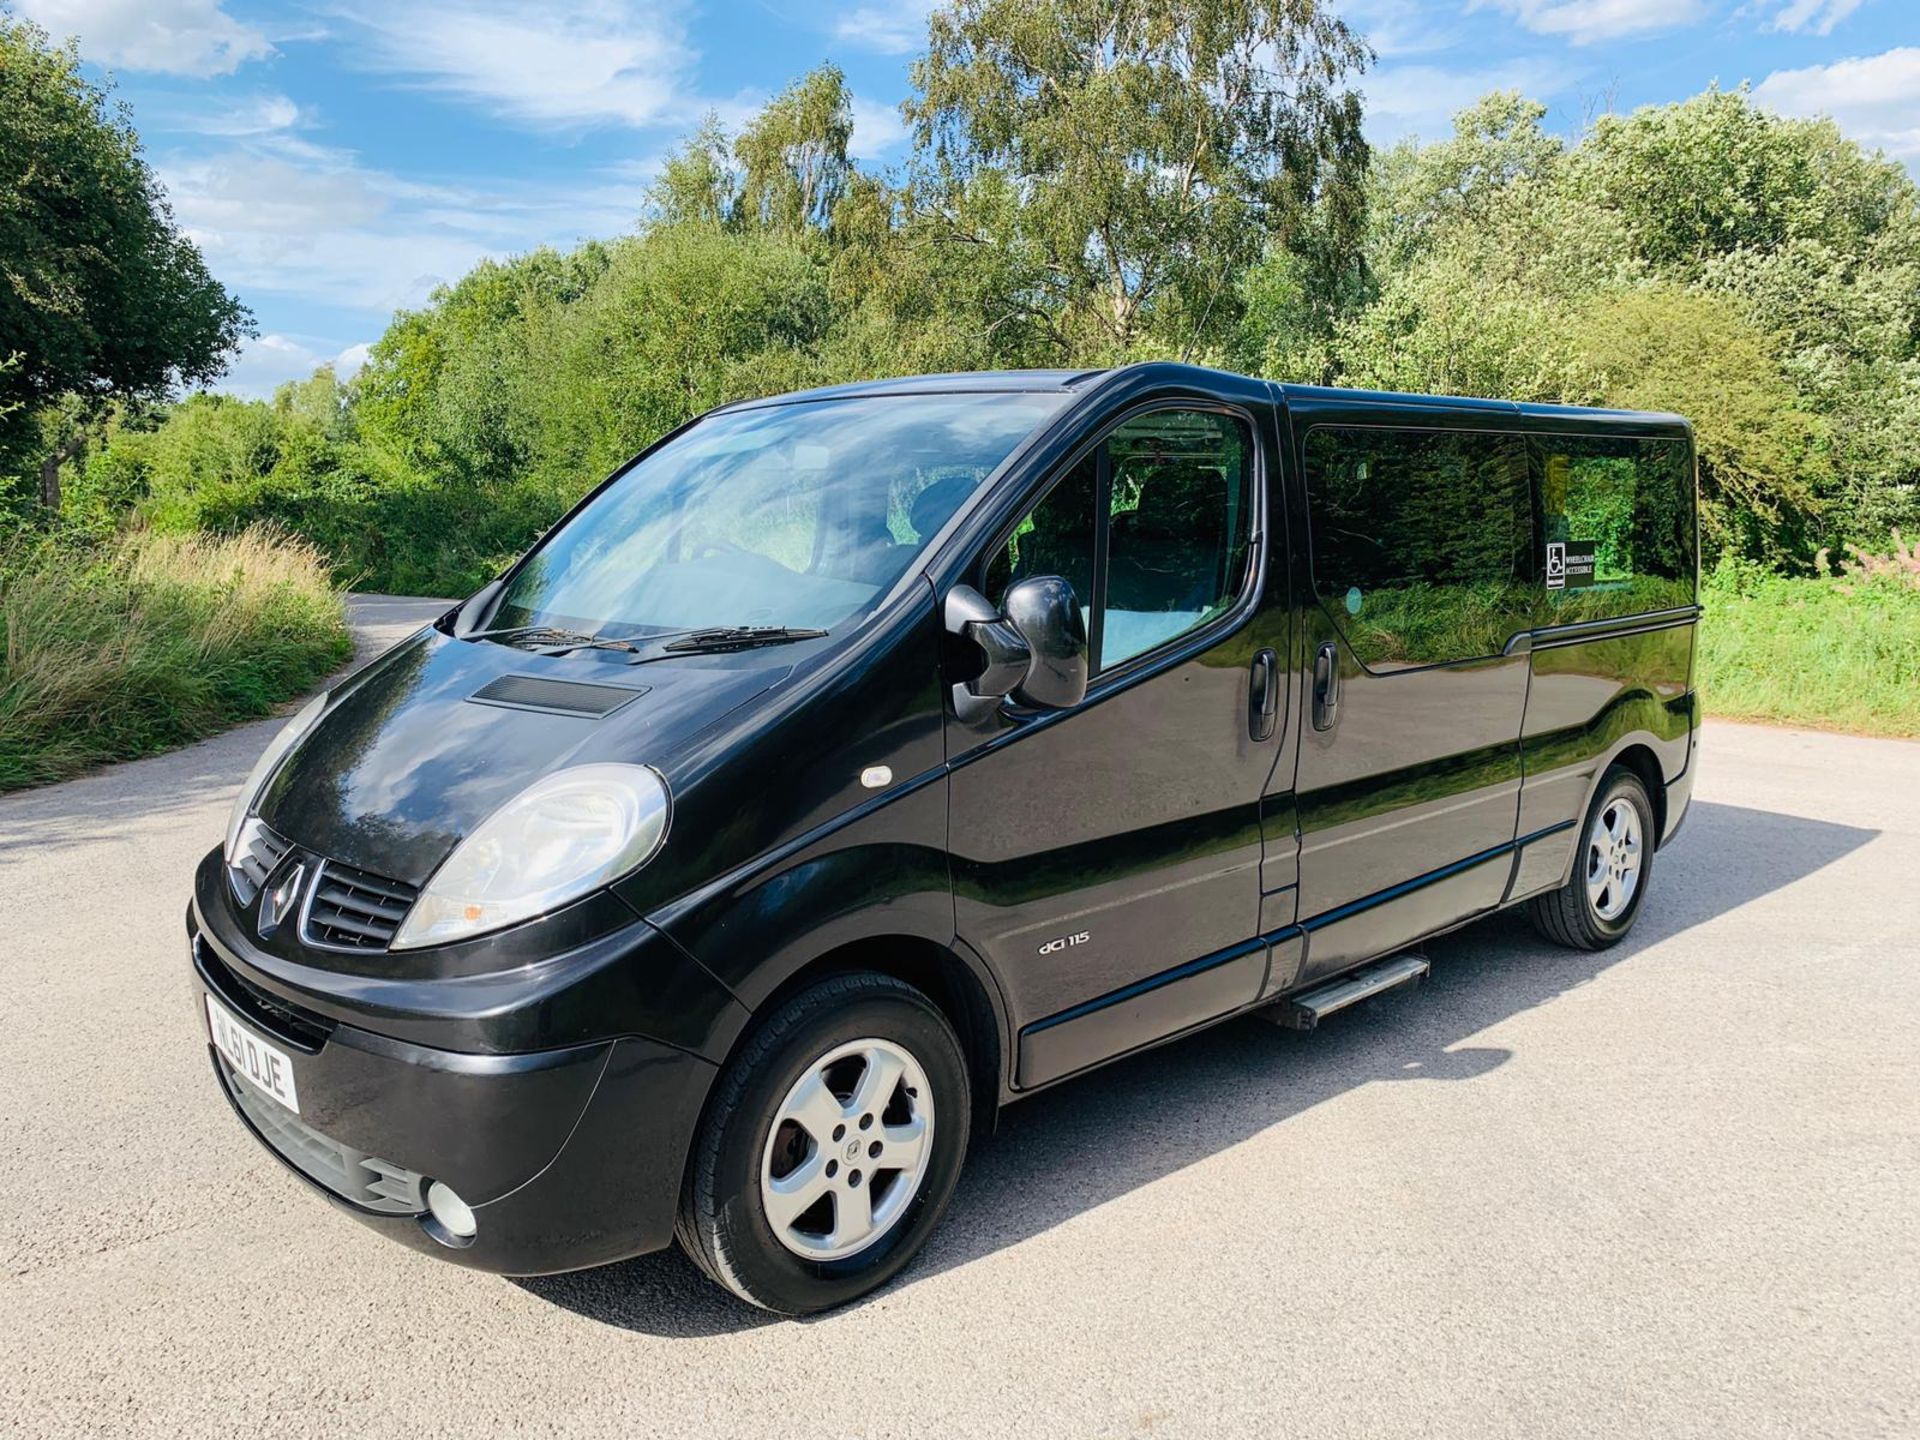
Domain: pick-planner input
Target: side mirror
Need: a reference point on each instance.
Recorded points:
(1046, 612)
(1035, 648)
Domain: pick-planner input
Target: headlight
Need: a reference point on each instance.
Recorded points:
(564, 835)
(269, 761)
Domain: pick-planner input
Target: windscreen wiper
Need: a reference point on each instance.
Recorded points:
(552, 640)
(720, 638)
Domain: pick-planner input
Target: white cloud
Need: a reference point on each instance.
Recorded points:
(877, 129)
(1874, 98)
(571, 62)
(179, 37)
(1818, 16)
(1422, 100)
(263, 114)
(267, 362)
(264, 194)
(899, 28)
(1401, 27)
(1584, 22)
(279, 215)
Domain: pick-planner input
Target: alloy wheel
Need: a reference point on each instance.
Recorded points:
(1614, 858)
(848, 1150)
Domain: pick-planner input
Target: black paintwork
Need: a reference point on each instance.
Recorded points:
(1212, 846)
(1135, 817)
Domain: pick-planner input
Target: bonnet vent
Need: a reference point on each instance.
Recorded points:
(556, 697)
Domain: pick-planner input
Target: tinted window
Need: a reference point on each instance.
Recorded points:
(1620, 513)
(1422, 541)
(1055, 538)
(1175, 490)
(1177, 529)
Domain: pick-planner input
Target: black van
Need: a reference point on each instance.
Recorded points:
(852, 763)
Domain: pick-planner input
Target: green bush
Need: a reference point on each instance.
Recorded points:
(1837, 653)
(118, 650)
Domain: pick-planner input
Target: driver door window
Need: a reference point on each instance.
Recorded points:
(1150, 528)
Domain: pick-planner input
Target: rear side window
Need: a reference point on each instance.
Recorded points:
(1422, 541)
(1617, 517)
(1169, 495)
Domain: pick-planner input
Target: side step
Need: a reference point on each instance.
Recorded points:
(1304, 1011)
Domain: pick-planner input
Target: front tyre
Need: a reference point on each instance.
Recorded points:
(830, 1147)
(1599, 902)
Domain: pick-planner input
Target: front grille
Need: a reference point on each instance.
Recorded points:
(352, 910)
(278, 1017)
(282, 1019)
(354, 1175)
(259, 851)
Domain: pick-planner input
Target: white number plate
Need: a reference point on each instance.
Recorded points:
(259, 1063)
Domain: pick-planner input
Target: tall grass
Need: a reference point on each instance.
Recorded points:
(1835, 654)
(149, 641)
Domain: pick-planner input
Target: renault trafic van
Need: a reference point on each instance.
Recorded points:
(853, 763)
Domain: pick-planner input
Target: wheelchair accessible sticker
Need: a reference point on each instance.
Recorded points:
(1569, 564)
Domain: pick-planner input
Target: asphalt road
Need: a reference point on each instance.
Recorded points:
(1673, 1189)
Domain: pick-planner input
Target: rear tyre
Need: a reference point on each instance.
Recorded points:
(830, 1147)
(1611, 869)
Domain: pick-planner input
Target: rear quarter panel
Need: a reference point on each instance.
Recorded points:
(1587, 702)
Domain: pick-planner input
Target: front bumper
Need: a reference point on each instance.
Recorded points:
(570, 1157)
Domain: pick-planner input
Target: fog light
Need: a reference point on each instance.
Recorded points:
(453, 1213)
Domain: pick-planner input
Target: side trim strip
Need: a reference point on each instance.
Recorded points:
(1285, 932)
(1607, 628)
(1556, 642)
(1152, 982)
(1542, 834)
(1407, 887)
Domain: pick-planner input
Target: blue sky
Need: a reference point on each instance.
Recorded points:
(335, 161)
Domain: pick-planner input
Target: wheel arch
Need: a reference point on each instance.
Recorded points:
(960, 987)
(1638, 757)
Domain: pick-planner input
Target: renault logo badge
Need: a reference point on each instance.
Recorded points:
(280, 901)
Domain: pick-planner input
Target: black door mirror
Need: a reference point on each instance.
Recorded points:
(1035, 649)
(1046, 612)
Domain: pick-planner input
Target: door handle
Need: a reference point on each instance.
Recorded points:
(1326, 686)
(1263, 695)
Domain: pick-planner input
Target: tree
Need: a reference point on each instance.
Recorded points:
(1418, 192)
(1664, 347)
(697, 183)
(100, 294)
(1716, 173)
(1451, 326)
(454, 386)
(1152, 149)
(793, 154)
(685, 318)
(1816, 243)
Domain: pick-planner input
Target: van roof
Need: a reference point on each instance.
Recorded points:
(959, 382)
(1583, 414)
(1014, 381)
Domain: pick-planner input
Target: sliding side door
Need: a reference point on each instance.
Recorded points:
(1421, 557)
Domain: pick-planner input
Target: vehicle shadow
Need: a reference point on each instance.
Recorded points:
(1074, 1147)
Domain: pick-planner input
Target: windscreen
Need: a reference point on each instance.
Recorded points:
(799, 515)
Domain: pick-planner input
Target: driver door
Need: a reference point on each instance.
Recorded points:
(1106, 858)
